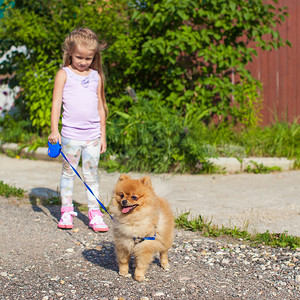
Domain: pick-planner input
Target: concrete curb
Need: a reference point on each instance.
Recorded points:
(40, 153)
(227, 164)
(234, 165)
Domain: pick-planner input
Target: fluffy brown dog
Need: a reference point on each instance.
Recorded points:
(144, 225)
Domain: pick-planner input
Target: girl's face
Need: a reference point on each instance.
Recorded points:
(82, 58)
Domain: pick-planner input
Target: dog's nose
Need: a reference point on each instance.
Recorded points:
(124, 202)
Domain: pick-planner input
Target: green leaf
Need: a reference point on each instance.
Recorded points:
(122, 114)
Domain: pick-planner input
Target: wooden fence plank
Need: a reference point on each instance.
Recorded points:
(282, 71)
(291, 58)
(279, 70)
(297, 62)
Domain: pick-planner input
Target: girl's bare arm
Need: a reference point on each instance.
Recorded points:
(102, 115)
(59, 82)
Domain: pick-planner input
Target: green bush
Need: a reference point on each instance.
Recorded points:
(150, 136)
(187, 51)
(42, 26)
(180, 58)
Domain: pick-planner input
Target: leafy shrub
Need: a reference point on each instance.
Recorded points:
(179, 56)
(190, 51)
(152, 137)
(20, 131)
(42, 26)
(187, 51)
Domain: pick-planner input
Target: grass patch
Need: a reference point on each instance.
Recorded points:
(208, 229)
(8, 190)
(261, 168)
(278, 239)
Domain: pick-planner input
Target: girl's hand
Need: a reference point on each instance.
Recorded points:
(102, 144)
(54, 137)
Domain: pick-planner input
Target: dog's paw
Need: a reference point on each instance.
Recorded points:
(123, 274)
(139, 278)
(165, 266)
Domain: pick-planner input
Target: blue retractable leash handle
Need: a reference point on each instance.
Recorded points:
(53, 151)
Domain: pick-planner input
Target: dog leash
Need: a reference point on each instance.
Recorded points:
(53, 151)
(148, 238)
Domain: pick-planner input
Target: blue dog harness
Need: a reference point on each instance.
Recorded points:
(148, 238)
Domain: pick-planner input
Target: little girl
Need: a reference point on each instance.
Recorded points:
(79, 87)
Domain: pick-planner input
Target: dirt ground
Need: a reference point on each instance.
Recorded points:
(39, 261)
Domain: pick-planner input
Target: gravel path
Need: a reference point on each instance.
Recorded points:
(38, 261)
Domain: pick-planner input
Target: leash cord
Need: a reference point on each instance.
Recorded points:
(85, 184)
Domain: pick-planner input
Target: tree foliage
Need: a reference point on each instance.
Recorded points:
(185, 60)
(42, 26)
(190, 51)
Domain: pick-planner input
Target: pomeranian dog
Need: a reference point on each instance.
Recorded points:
(144, 225)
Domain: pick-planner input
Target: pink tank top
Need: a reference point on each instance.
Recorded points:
(80, 117)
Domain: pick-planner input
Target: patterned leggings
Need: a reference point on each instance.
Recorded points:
(90, 153)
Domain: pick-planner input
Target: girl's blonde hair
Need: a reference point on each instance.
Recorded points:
(87, 38)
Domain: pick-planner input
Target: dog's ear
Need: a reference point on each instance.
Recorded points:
(123, 177)
(146, 181)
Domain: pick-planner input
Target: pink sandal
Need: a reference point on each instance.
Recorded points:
(66, 220)
(96, 221)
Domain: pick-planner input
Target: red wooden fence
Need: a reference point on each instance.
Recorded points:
(279, 71)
